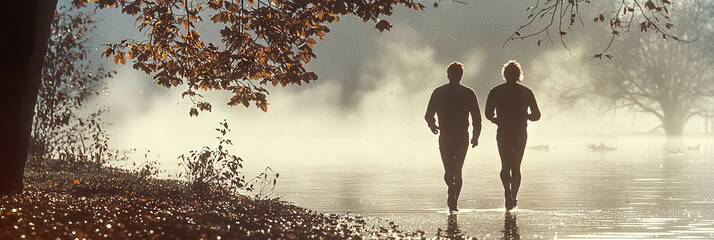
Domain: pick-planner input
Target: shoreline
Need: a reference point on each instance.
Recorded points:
(87, 201)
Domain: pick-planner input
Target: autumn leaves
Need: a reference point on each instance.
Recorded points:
(262, 42)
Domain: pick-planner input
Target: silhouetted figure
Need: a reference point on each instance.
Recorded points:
(452, 103)
(511, 102)
(510, 227)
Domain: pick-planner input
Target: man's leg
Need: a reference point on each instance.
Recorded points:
(505, 150)
(453, 152)
(519, 148)
(449, 176)
(447, 158)
(460, 154)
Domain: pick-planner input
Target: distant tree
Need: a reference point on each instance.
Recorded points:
(62, 128)
(669, 80)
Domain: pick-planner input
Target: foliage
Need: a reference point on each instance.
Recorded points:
(263, 184)
(215, 168)
(62, 128)
(669, 80)
(218, 170)
(149, 168)
(561, 17)
(263, 42)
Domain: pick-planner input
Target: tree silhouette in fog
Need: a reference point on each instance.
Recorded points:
(669, 80)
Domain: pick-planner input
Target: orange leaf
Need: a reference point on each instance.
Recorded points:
(108, 52)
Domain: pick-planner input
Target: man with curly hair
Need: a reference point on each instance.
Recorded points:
(510, 102)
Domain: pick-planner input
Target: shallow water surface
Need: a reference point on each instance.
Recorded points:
(644, 189)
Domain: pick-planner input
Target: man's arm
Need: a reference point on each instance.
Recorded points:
(430, 112)
(535, 112)
(475, 121)
(490, 108)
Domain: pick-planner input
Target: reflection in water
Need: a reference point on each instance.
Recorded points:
(510, 227)
(452, 228)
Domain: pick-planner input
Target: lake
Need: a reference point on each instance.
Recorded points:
(645, 188)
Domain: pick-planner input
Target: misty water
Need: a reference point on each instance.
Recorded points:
(646, 188)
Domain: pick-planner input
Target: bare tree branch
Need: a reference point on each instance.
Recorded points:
(654, 14)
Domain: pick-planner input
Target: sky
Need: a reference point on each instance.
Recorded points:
(372, 91)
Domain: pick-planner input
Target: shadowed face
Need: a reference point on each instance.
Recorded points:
(455, 72)
(512, 73)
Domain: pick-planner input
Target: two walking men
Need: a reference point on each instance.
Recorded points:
(507, 106)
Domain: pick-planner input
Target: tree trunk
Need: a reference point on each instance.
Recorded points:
(674, 120)
(25, 41)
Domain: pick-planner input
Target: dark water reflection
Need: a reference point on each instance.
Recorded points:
(645, 189)
(510, 226)
(452, 227)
